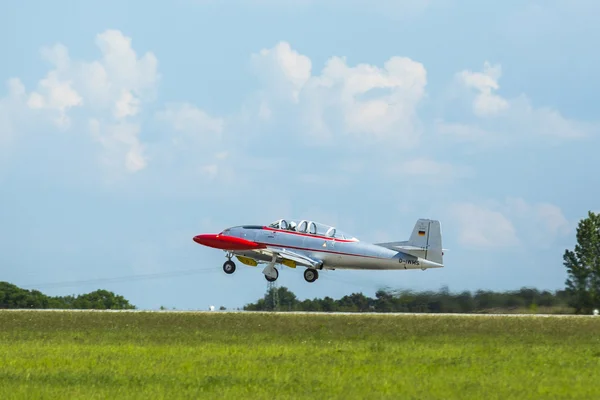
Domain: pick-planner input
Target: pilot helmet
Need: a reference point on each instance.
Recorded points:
(293, 225)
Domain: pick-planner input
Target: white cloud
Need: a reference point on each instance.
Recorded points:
(110, 94)
(486, 102)
(365, 101)
(554, 219)
(216, 165)
(127, 105)
(211, 170)
(515, 117)
(342, 101)
(264, 112)
(283, 70)
(9, 107)
(6, 129)
(114, 87)
(429, 170)
(200, 141)
(545, 121)
(467, 133)
(191, 120)
(510, 223)
(121, 143)
(119, 80)
(55, 94)
(126, 70)
(547, 219)
(482, 227)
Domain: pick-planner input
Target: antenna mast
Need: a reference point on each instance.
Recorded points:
(272, 288)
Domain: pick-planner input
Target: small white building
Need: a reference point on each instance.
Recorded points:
(211, 308)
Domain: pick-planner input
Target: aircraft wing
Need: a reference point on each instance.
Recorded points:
(298, 258)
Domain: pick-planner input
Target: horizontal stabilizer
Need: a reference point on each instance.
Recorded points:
(400, 246)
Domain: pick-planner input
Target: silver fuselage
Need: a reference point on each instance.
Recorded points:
(335, 253)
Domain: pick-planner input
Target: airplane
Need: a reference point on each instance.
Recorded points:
(318, 247)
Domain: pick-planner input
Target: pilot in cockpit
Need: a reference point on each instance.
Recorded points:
(292, 226)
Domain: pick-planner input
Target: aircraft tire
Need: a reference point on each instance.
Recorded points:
(273, 279)
(311, 275)
(229, 267)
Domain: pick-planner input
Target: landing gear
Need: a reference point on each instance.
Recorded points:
(311, 275)
(229, 267)
(270, 272)
(271, 278)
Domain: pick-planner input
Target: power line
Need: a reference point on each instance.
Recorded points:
(122, 278)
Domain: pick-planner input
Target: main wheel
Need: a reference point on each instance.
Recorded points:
(311, 275)
(229, 267)
(273, 279)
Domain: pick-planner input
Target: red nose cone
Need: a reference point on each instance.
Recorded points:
(225, 242)
(203, 239)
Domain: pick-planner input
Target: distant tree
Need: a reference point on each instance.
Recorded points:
(12, 296)
(384, 301)
(328, 304)
(102, 300)
(287, 299)
(464, 302)
(583, 265)
(355, 302)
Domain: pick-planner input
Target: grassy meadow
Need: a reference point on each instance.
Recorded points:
(94, 355)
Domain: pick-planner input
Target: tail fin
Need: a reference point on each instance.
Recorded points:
(425, 241)
(427, 234)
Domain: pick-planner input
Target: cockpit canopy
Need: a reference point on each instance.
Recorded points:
(311, 227)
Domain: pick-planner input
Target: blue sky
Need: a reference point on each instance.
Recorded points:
(127, 128)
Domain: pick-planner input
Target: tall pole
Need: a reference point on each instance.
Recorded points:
(272, 288)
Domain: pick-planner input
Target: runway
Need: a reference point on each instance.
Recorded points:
(320, 313)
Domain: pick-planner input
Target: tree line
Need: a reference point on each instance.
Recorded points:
(442, 301)
(14, 297)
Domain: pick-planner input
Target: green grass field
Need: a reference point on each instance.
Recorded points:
(89, 355)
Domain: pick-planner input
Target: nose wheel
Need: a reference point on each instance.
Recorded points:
(311, 275)
(229, 267)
